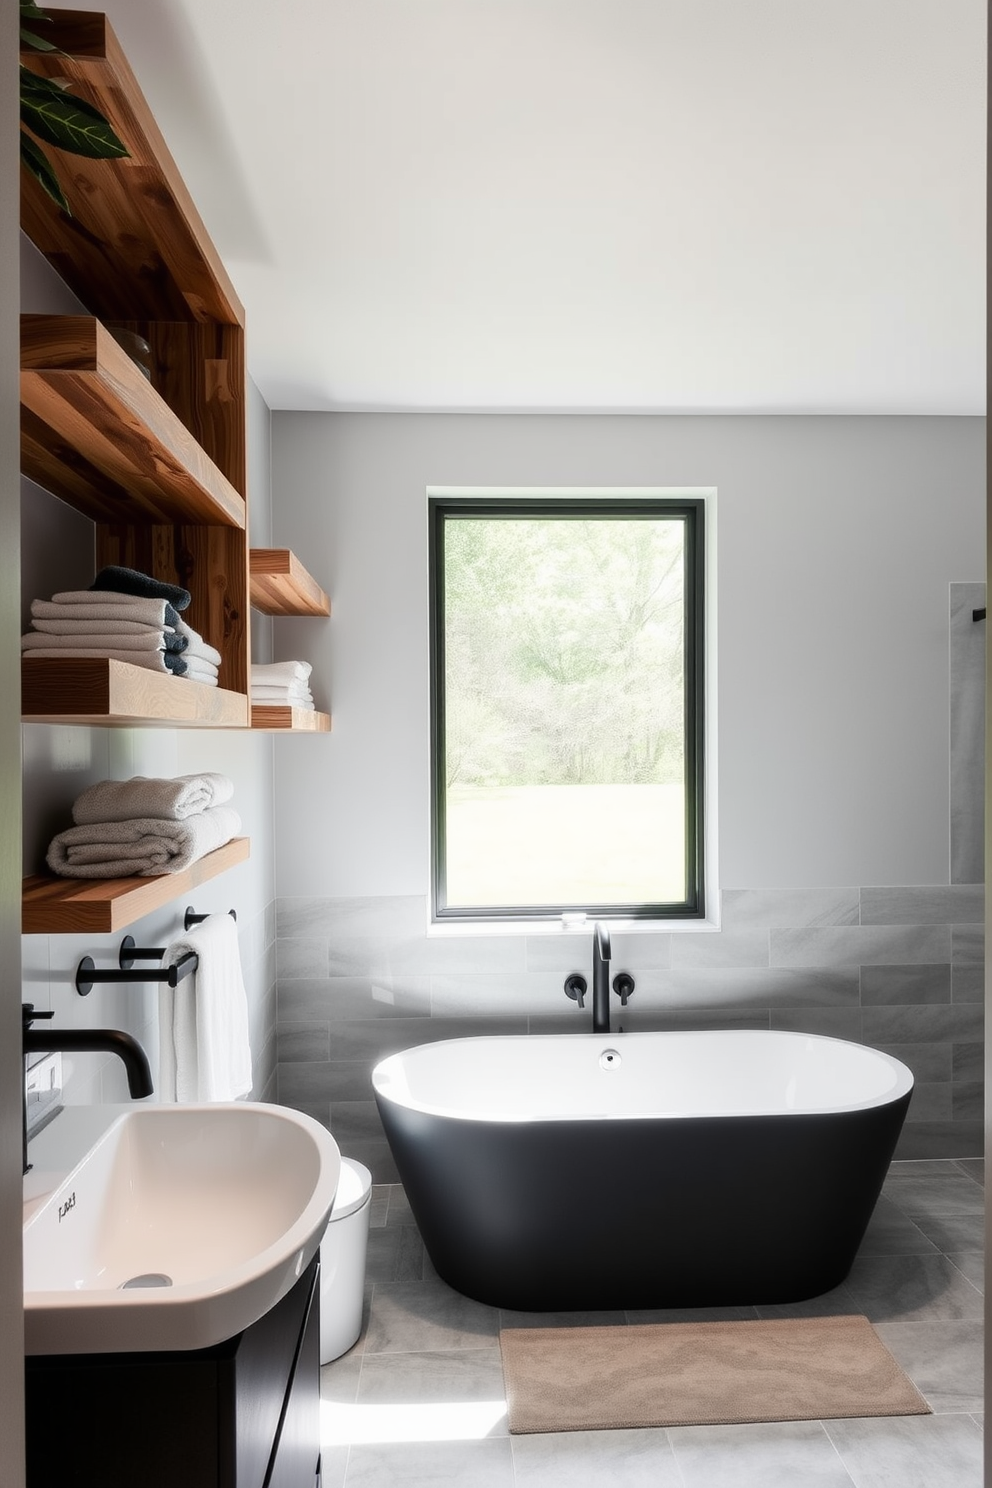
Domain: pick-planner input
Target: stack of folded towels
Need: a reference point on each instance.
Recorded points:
(144, 826)
(282, 684)
(126, 616)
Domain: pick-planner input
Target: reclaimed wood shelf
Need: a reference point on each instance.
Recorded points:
(79, 690)
(96, 433)
(289, 720)
(280, 585)
(135, 245)
(100, 906)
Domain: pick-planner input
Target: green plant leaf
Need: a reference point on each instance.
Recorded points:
(36, 161)
(61, 119)
(39, 43)
(31, 12)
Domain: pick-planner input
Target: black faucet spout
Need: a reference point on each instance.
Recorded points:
(105, 1040)
(600, 979)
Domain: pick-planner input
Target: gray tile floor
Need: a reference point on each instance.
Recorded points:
(419, 1400)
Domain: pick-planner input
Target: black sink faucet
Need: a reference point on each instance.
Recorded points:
(600, 978)
(105, 1040)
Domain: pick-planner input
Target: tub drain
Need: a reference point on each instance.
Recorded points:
(149, 1279)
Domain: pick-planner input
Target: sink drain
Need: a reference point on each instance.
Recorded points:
(149, 1279)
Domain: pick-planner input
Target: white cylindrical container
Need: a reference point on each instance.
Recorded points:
(342, 1261)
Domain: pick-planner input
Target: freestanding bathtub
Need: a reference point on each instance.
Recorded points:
(644, 1169)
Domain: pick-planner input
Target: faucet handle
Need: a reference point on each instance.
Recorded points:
(623, 986)
(575, 988)
(29, 1014)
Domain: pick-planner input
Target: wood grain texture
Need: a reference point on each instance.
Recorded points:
(280, 585)
(56, 906)
(135, 244)
(79, 690)
(212, 563)
(286, 720)
(98, 435)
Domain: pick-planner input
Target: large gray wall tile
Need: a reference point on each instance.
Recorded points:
(905, 984)
(729, 948)
(301, 958)
(956, 1023)
(967, 945)
(860, 945)
(942, 904)
(733, 987)
(347, 999)
(772, 909)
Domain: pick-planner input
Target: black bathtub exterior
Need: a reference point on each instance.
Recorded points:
(648, 1213)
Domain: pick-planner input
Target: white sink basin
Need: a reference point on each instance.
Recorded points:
(180, 1227)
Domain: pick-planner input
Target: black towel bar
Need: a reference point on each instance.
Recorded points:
(87, 974)
(192, 918)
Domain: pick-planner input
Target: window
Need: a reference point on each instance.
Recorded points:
(566, 701)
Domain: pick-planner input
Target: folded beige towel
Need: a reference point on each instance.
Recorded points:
(143, 847)
(144, 796)
(148, 640)
(90, 604)
(153, 661)
(100, 626)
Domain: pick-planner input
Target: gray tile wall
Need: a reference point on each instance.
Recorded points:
(901, 969)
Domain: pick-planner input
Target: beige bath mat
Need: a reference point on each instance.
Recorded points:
(695, 1374)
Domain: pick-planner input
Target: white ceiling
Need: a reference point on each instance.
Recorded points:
(589, 205)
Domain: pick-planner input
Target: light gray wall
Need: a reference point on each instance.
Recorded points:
(838, 543)
(57, 553)
(11, 1276)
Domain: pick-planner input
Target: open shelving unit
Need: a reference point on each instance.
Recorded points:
(155, 457)
(281, 586)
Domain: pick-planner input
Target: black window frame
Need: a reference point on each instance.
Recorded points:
(566, 506)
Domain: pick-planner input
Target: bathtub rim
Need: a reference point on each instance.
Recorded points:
(904, 1083)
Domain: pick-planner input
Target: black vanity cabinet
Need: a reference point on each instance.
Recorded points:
(244, 1414)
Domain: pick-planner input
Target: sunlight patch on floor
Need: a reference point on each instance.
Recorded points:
(353, 1425)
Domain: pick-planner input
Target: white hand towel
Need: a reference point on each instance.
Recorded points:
(90, 604)
(149, 640)
(153, 661)
(273, 673)
(197, 645)
(143, 847)
(170, 800)
(204, 1049)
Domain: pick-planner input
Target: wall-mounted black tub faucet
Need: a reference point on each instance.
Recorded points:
(600, 978)
(105, 1040)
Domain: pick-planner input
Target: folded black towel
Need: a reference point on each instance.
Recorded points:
(175, 663)
(130, 581)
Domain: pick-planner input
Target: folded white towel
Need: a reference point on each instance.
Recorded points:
(147, 640)
(97, 627)
(144, 796)
(197, 646)
(273, 673)
(281, 694)
(152, 660)
(91, 604)
(204, 1048)
(198, 670)
(142, 847)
